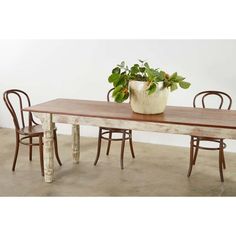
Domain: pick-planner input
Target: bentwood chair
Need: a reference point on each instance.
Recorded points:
(225, 102)
(104, 132)
(25, 127)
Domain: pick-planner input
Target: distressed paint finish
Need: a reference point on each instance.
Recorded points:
(48, 127)
(195, 130)
(76, 143)
(49, 120)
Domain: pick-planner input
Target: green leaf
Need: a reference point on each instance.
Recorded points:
(120, 97)
(120, 81)
(155, 72)
(122, 64)
(173, 87)
(146, 65)
(184, 85)
(142, 69)
(162, 75)
(179, 78)
(117, 90)
(141, 61)
(134, 70)
(113, 77)
(152, 74)
(152, 88)
(116, 70)
(173, 76)
(158, 79)
(116, 82)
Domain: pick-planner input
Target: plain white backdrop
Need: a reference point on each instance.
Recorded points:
(156, 19)
(48, 69)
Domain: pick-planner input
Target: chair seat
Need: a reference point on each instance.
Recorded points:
(31, 130)
(114, 130)
(207, 139)
(106, 131)
(34, 130)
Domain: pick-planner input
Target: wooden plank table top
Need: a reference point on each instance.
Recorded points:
(109, 110)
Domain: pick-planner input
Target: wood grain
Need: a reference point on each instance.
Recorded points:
(172, 115)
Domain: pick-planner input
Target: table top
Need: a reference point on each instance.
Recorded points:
(110, 110)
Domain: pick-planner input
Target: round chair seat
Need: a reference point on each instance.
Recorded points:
(107, 131)
(210, 140)
(31, 130)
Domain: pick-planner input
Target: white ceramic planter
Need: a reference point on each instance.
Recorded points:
(143, 103)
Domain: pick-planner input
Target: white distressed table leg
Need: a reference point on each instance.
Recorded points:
(76, 143)
(48, 127)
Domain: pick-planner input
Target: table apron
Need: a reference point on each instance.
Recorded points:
(195, 130)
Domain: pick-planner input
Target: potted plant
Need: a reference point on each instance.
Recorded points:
(148, 88)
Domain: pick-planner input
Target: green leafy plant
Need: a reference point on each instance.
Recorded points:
(122, 74)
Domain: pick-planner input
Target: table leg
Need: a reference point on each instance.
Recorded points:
(48, 127)
(76, 143)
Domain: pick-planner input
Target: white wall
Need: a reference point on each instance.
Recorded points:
(49, 69)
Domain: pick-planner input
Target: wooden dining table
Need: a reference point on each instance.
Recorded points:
(176, 120)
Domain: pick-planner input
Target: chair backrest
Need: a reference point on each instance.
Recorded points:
(225, 101)
(15, 101)
(109, 94)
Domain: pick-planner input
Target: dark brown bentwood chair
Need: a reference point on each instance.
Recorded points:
(195, 140)
(23, 132)
(126, 135)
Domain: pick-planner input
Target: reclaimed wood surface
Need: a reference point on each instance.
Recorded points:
(172, 115)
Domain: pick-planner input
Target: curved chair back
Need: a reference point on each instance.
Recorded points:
(109, 94)
(17, 113)
(225, 101)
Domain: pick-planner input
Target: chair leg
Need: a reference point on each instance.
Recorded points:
(30, 148)
(122, 151)
(221, 160)
(41, 154)
(56, 148)
(16, 151)
(99, 146)
(191, 158)
(196, 152)
(109, 143)
(131, 144)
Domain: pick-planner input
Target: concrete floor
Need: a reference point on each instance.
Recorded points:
(157, 171)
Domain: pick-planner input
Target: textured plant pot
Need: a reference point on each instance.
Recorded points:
(143, 103)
